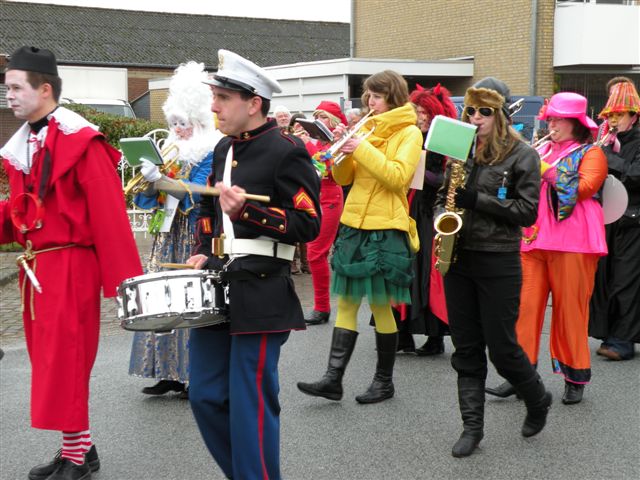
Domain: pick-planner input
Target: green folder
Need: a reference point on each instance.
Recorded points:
(450, 137)
(135, 149)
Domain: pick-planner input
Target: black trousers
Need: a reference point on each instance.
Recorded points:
(483, 297)
(615, 303)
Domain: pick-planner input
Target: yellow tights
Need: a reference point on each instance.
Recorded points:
(347, 316)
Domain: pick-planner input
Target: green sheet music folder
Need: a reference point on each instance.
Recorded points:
(450, 137)
(134, 149)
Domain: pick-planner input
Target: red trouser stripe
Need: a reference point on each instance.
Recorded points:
(259, 374)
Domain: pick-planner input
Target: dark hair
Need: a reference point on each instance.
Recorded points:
(390, 84)
(266, 104)
(616, 80)
(581, 133)
(295, 117)
(37, 79)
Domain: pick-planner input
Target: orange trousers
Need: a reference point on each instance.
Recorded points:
(570, 278)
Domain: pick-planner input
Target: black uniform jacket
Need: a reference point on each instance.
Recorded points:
(266, 161)
(495, 224)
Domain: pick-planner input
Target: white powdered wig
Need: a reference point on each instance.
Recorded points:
(190, 101)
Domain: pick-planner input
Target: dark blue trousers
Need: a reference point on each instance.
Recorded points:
(233, 391)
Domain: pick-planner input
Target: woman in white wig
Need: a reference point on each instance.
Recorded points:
(192, 130)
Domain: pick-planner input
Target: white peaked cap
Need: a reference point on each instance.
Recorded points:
(238, 73)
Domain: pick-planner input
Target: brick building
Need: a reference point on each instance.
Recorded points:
(577, 45)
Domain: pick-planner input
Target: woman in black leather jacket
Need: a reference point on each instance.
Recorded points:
(482, 286)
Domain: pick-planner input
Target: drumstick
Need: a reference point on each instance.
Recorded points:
(176, 265)
(204, 190)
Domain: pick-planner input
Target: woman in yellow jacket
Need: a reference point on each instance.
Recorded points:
(377, 238)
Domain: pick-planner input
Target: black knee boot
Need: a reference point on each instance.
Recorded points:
(330, 385)
(538, 401)
(381, 387)
(471, 399)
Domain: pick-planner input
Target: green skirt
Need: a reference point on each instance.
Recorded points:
(372, 263)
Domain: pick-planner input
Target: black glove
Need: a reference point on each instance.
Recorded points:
(466, 198)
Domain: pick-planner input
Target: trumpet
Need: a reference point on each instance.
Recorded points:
(543, 141)
(604, 139)
(354, 132)
(138, 184)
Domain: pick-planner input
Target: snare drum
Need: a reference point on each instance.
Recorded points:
(163, 301)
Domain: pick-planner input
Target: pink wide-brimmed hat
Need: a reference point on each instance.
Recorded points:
(568, 105)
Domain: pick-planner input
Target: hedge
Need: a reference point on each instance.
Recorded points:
(115, 127)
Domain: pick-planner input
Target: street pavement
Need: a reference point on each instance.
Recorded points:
(407, 437)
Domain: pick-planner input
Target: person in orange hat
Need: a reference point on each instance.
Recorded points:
(615, 305)
(331, 201)
(560, 252)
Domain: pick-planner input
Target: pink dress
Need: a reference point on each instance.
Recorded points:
(582, 231)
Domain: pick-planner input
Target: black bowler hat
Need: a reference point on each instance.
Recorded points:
(33, 59)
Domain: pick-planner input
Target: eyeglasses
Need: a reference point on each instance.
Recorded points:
(556, 119)
(484, 111)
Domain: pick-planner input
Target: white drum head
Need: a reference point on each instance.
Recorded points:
(614, 199)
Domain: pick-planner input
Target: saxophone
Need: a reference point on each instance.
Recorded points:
(449, 223)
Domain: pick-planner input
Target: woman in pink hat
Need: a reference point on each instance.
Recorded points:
(560, 252)
(331, 201)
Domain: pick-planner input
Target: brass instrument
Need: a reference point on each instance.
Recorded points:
(138, 184)
(355, 131)
(544, 140)
(449, 223)
(605, 138)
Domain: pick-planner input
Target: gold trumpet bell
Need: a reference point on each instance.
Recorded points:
(138, 184)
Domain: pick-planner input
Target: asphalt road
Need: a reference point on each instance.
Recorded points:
(408, 437)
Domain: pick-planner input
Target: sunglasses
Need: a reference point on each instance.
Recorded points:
(484, 111)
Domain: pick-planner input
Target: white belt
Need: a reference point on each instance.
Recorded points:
(266, 248)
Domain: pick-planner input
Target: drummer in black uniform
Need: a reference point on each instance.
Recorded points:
(233, 385)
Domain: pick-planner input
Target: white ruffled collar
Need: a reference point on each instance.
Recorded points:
(18, 151)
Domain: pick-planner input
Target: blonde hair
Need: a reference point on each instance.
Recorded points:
(388, 83)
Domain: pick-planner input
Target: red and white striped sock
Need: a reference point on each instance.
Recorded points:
(75, 445)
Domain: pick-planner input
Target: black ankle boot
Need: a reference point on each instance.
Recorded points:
(317, 318)
(381, 387)
(538, 401)
(406, 343)
(572, 393)
(433, 346)
(471, 400)
(504, 390)
(43, 471)
(330, 385)
(164, 386)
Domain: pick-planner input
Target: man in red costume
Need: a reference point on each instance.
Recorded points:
(67, 209)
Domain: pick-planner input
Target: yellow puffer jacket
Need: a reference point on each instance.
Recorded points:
(381, 170)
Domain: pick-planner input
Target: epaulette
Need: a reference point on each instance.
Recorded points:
(284, 133)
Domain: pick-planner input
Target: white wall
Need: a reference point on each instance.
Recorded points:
(596, 34)
(94, 82)
(304, 94)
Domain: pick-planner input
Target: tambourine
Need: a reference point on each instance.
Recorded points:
(32, 207)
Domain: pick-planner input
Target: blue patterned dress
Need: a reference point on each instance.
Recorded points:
(166, 357)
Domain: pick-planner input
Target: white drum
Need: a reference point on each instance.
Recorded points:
(163, 301)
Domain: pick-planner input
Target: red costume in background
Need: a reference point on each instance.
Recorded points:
(85, 243)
